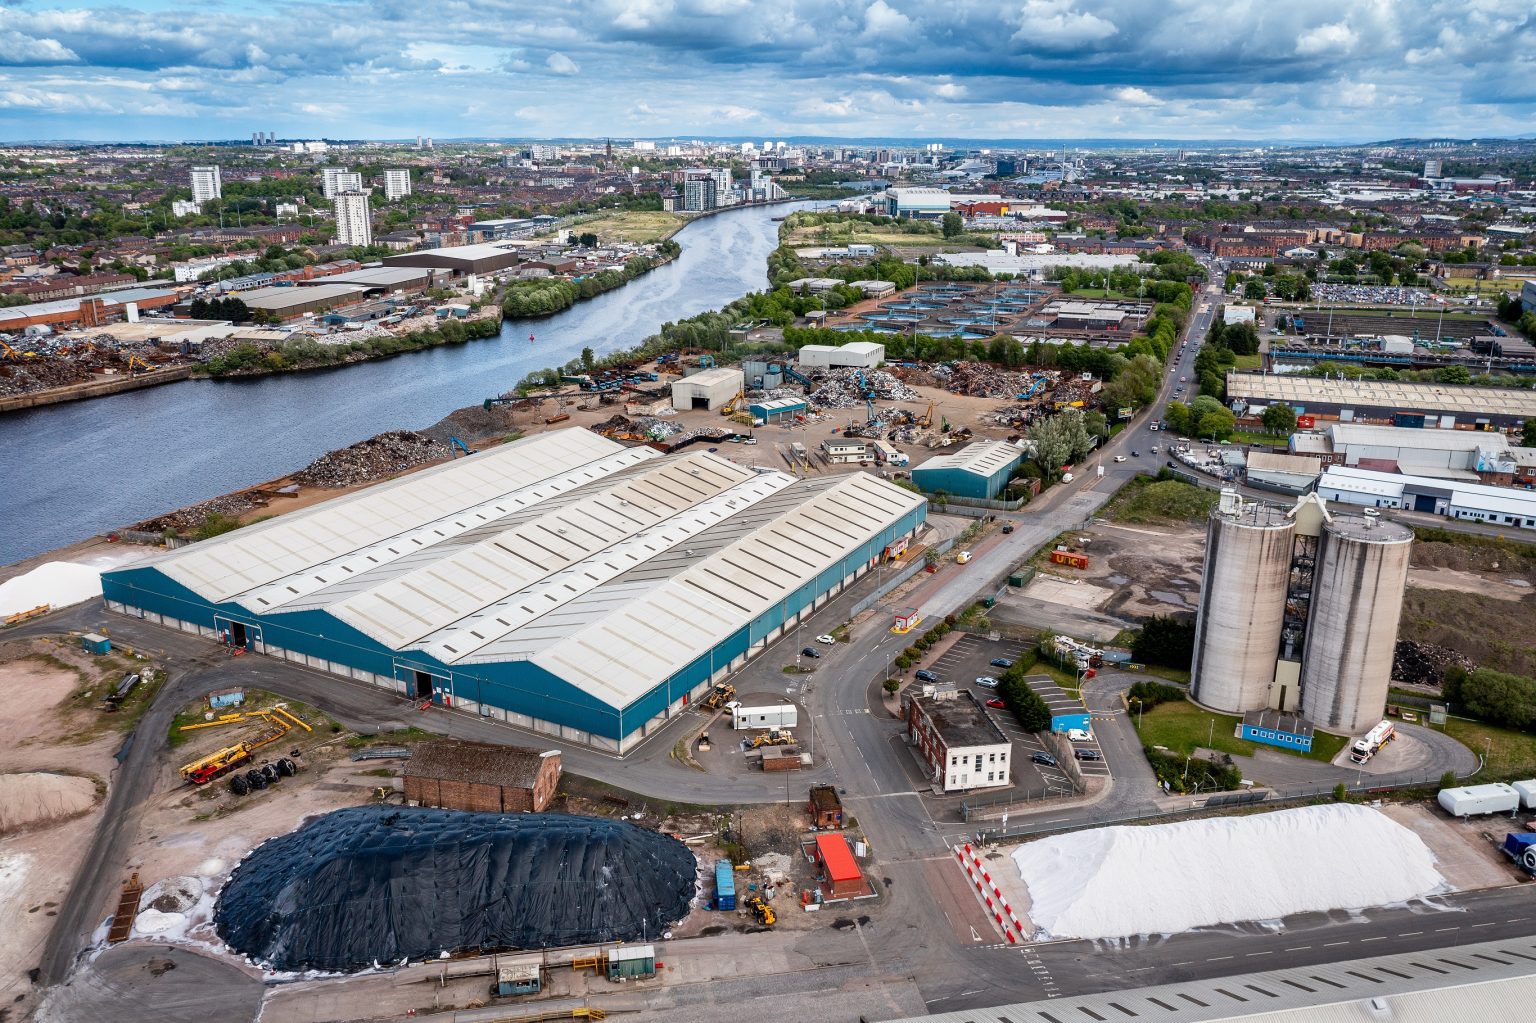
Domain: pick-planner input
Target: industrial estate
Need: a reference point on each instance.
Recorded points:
(497, 580)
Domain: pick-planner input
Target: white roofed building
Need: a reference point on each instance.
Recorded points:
(563, 582)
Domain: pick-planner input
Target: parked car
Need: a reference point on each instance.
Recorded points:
(1135, 453)
(825, 639)
(1043, 758)
(996, 704)
(1001, 662)
(811, 651)
(987, 682)
(924, 675)
(1087, 754)
(1007, 528)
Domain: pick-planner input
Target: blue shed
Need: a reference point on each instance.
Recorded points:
(775, 410)
(1273, 728)
(978, 471)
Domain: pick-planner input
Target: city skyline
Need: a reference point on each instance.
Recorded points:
(1312, 71)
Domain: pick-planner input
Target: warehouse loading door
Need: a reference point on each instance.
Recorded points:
(423, 685)
(1424, 503)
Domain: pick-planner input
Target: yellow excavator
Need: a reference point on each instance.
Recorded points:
(773, 737)
(761, 911)
(731, 406)
(719, 696)
(926, 419)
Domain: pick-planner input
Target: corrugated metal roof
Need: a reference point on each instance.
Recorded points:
(623, 655)
(983, 458)
(221, 569)
(1429, 439)
(1489, 981)
(1293, 389)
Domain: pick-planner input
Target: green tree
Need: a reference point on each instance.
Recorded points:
(1179, 420)
(1218, 424)
(1279, 418)
(1027, 706)
(953, 225)
(1528, 433)
(1254, 288)
(1167, 641)
(588, 360)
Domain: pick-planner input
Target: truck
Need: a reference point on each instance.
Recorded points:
(1471, 800)
(1366, 748)
(1520, 846)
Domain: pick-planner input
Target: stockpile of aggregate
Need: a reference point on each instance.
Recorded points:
(373, 459)
(379, 884)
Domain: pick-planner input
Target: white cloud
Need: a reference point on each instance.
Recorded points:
(949, 90)
(1058, 24)
(734, 113)
(881, 19)
(1136, 96)
(1335, 38)
(19, 49)
(560, 64)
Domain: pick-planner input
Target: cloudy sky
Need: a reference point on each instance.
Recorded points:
(1193, 69)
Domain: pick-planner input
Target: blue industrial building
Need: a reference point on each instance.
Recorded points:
(978, 471)
(563, 582)
(777, 410)
(1272, 728)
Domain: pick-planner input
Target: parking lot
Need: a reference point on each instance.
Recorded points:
(969, 659)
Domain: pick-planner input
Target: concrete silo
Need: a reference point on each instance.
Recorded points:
(1242, 604)
(1357, 599)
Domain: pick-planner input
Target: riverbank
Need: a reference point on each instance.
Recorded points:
(305, 353)
(98, 388)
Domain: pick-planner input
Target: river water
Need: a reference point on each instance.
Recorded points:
(82, 468)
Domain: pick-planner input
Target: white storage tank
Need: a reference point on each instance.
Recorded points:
(1357, 598)
(1527, 790)
(1471, 800)
(1242, 605)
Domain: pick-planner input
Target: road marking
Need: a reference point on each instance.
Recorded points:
(1514, 920)
(1490, 923)
(1439, 930)
(1217, 959)
(1299, 948)
(1190, 962)
(1331, 944)
(1381, 937)
(1410, 934)
(1250, 955)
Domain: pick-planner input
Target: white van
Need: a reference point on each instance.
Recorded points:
(1078, 735)
(1067, 477)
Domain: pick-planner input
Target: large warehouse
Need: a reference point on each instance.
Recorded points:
(563, 582)
(460, 259)
(1442, 405)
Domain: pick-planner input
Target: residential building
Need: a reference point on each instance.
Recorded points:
(700, 194)
(962, 747)
(206, 185)
(335, 180)
(185, 208)
(541, 152)
(354, 222)
(397, 183)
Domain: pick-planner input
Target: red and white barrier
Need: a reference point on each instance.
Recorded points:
(990, 894)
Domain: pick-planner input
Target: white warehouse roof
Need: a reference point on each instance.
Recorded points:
(982, 458)
(1429, 439)
(612, 567)
(1294, 389)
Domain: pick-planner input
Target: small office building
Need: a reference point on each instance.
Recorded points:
(1274, 728)
(961, 746)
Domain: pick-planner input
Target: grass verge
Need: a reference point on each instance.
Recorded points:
(1183, 727)
(1511, 754)
(1147, 501)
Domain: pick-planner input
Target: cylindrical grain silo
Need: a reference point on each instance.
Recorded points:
(1357, 598)
(1242, 604)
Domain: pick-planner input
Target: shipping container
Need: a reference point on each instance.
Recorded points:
(725, 885)
(777, 715)
(94, 644)
(1470, 800)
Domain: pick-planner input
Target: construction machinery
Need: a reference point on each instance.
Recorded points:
(719, 696)
(204, 770)
(926, 419)
(729, 408)
(773, 737)
(455, 444)
(761, 911)
(490, 403)
(138, 365)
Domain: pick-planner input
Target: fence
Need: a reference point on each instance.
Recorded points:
(897, 578)
(1220, 800)
(939, 504)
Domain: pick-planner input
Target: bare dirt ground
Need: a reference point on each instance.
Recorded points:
(1464, 855)
(1500, 587)
(54, 772)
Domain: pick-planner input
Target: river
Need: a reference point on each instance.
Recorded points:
(82, 468)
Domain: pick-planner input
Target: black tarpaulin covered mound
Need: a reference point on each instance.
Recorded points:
(379, 884)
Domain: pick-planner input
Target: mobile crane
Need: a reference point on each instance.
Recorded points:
(221, 761)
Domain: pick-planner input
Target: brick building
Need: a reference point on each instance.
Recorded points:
(481, 776)
(961, 745)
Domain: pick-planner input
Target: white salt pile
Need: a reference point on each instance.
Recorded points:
(57, 583)
(1118, 882)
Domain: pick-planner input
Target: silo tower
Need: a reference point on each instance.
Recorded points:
(1357, 599)
(1248, 554)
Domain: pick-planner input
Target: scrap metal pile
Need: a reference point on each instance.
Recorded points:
(840, 388)
(645, 429)
(191, 518)
(372, 459)
(1424, 664)
(372, 885)
(982, 380)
